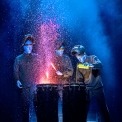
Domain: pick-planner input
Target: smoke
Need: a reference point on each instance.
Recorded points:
(81, 21)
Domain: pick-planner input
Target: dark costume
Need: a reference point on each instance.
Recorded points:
(91, 78)
(26, 70)
(64, 65)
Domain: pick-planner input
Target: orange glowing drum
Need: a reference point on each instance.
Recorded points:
(47, 103)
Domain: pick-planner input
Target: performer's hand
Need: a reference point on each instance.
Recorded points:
(86, 64)
(67, 74)
(59, 73)
(19, 84)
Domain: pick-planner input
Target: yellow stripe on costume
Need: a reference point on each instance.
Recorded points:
(82, 66)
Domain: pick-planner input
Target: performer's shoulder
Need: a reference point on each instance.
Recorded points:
(92, 56)
(19, 56)
(66, 56)
(35, 54)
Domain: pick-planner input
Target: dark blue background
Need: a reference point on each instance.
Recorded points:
(11, 34)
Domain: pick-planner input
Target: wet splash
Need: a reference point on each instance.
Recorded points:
(48, 35)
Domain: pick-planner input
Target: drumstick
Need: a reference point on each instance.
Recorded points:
(53, 66)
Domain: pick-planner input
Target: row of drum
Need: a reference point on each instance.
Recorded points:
(74, 102)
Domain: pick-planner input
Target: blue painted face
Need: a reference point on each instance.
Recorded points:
(81, 58)
(28, 47)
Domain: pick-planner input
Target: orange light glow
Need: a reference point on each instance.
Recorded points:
(45, 79)
(47, 75)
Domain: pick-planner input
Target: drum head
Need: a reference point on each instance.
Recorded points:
(46, 85)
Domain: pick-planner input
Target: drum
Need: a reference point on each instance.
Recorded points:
(47, 103)
(74, 103)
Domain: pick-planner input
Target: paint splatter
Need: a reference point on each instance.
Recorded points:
(48, 35)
